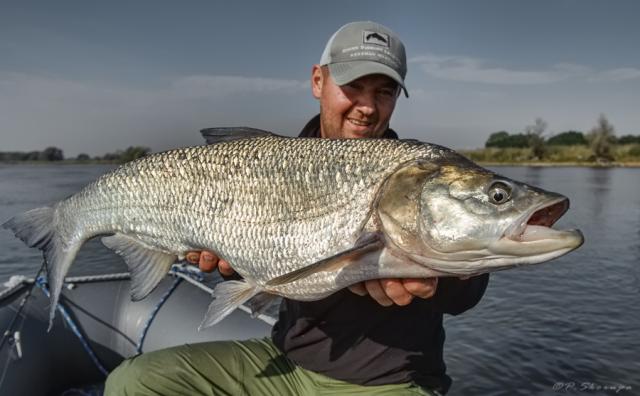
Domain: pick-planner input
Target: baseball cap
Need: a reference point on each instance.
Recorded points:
(358, 49)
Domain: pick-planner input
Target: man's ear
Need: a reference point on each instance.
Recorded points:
(317, 81)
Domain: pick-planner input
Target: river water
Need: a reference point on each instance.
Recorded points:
(571, 326)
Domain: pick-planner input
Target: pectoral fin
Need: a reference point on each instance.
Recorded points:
(148, 266)
(333, 263)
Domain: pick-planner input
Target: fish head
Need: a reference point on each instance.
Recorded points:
(462, 219)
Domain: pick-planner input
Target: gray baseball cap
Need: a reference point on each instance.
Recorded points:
(361, 48)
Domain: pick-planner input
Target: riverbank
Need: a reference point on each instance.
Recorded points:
(563, 164)
(62, 162)
(624, 155)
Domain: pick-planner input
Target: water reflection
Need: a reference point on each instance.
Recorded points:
(599, 184)
(533, 175)
(599, 178)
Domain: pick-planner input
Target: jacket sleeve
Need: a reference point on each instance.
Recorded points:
(454, 296)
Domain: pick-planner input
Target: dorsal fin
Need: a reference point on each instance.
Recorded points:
(226, 134)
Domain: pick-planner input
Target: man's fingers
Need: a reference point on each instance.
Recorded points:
(208, 261)
(359, 289)
(423, 288)
(395, 290)
(224, 268)
(377, 292)
(193, 257)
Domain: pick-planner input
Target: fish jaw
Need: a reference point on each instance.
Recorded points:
(531, 235)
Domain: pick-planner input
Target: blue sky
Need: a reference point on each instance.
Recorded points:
(94, 77)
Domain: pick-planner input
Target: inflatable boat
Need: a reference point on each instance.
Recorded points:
(97, 326)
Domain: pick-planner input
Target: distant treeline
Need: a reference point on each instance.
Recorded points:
(601, 141)
(504, 139)
(56, 154)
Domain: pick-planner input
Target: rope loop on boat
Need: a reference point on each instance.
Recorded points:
(180, 272)
(42, 284)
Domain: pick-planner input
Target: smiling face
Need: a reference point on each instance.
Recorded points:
(361, 108)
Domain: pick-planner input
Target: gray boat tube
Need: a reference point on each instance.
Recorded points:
(37, 362)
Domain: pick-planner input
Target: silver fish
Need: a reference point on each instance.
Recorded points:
(301, 217)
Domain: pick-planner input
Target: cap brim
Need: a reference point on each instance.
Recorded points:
(345, 72)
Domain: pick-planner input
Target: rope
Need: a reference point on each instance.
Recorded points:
(42, 284)
(14, 287)
(98, 278)
(154, 312)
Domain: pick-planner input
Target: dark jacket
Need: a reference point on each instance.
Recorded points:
(354, 339)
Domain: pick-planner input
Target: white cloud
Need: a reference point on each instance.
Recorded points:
(469, 69)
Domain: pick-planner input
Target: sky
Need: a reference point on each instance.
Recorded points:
(96, 77)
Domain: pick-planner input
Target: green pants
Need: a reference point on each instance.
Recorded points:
(253, 367)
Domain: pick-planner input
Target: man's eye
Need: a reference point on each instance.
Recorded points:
(387, 92)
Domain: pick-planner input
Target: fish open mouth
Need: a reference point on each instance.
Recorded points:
(548, 215)
(537, 223)
(531, 237)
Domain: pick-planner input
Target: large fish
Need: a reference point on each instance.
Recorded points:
(301, 217)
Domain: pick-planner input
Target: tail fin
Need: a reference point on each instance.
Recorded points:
(37, 228)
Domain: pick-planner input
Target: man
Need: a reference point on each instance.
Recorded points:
(376, 337)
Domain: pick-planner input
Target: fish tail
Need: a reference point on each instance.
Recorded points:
(37, 228)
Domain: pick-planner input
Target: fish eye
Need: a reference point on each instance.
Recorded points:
(499, 193)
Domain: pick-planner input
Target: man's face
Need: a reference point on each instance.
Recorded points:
(359, 109)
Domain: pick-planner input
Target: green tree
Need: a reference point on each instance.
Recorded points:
(503, 139)
(628, 139)
(83, 157)
(112, 156)
(568, 138)
(497, 139)
(134, 152)
(51, 154)
(32, 156)
(535, 138)
(601, 139)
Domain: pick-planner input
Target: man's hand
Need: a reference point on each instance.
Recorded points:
(396, 291)
(385, 291)
(209, 261)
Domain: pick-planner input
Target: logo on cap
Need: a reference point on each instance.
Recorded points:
(370, 37)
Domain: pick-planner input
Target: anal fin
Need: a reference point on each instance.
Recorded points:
(228, 296)
(148, 266)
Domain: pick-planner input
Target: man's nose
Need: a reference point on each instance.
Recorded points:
(367, 103)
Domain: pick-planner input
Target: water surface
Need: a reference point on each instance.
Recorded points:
(571, 326)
